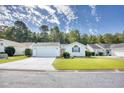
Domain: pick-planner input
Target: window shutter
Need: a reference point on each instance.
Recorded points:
(72, 49)
(78, 49)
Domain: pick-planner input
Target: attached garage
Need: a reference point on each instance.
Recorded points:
(46, 49)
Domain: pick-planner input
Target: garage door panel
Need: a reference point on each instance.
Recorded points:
(47, 52)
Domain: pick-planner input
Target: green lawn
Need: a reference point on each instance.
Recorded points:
(88, 64)
(11, 59)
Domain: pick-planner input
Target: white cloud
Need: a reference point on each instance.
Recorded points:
(66, 10)
(9, 14)
(68, 13)
(93, 10)
(93, 31)
(27, 14)
(48, 9)
(93, 13)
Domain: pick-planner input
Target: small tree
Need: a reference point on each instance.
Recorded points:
(10, 50)
(28, 52)
(66, 55)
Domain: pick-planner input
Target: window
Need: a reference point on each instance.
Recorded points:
(76, 49)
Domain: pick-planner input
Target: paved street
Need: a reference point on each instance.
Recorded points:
(35, 79)
(33, 63)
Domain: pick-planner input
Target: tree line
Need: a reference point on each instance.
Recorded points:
(20, 32)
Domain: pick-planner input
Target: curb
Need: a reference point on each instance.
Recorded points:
(31, 70)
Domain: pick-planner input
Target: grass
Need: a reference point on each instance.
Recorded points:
(89, 64)
(11, 59)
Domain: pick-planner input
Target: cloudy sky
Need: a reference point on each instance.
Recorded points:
(87, 19)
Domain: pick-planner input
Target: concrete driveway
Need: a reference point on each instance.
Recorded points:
(30, 64)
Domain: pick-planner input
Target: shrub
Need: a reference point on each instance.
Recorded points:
(10, 50)
(100, 53)
(93, 53)
(66, 55)
(2, 53)
(88, 53)
(28, 52)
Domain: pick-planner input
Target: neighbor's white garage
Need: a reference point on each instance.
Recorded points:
(118, 52)
(46, 49)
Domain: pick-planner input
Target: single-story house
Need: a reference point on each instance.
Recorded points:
(55, 49)
(107, 49)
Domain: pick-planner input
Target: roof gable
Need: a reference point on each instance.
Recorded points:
(76, 43)
(117, 45)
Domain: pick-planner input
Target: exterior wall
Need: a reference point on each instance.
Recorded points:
(68, 48)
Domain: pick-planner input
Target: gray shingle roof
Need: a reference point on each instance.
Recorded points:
(117, 45)
(28, 44)
(94, 46)
(47, 44)
(105, 46)
(13, 43)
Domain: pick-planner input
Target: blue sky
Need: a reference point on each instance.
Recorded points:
(87, 19)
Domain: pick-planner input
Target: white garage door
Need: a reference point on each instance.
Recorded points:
(47, 52)
(119, 53)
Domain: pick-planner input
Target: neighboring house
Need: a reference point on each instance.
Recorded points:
(75, 49)
(117, 50)
(95, 48)
(19, 48)
(106, 48)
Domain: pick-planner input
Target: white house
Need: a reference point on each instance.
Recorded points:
(75, 49)
(107, 49)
